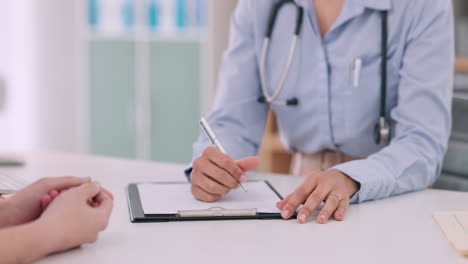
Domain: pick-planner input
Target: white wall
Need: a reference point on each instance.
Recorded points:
(3, 54)
(16, 67)
(219, 21)
(58, 84)
(39, 54)
(41, 58)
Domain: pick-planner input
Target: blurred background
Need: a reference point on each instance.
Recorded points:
(131, 78)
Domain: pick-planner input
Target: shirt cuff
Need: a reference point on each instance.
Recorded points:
(371, 175)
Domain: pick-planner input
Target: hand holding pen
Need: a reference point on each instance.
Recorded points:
(214, 173)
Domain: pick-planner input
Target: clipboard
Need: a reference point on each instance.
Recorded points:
(137, 214)
(11, 184)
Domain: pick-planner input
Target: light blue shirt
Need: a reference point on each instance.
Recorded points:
(334, 114)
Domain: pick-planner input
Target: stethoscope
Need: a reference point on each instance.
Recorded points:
(382, 128)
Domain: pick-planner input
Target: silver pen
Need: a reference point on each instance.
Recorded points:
(210, 133)
(357, 65)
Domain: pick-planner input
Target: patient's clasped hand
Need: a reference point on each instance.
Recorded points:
(52, 215)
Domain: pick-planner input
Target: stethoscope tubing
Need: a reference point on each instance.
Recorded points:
(382, 128)
(384, 50)
(284, 76)
(271, 99)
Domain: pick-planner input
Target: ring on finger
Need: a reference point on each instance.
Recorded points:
(336, 195)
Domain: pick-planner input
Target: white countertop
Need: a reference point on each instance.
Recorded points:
(395, 230)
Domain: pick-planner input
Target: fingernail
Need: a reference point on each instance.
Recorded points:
(302, 218)
(285, 214)
(98, 184)
(243, 178)
(85, 179)
(322, 218)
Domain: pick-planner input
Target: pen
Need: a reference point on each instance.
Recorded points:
(357, 65)
(210, 133)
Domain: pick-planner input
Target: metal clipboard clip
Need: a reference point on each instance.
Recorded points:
(217, 212)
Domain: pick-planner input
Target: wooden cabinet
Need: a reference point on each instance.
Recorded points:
(273, 156)
(461, 65)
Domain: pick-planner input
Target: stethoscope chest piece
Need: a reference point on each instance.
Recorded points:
(382, 131)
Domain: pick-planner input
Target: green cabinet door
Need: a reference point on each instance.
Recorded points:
(175, 99)
(112, 98)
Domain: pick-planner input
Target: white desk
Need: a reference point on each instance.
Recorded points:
(396, 230)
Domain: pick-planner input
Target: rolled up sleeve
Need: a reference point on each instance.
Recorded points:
(237, 118)
(422, 117)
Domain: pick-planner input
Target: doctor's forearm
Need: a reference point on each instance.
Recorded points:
(403, 166)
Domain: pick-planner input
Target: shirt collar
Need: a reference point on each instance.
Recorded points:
(371, 4)
(376, 4)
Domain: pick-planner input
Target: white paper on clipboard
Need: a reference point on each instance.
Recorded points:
(172, 198)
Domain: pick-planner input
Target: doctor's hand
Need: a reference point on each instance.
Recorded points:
(332, 187)
(214, 174)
